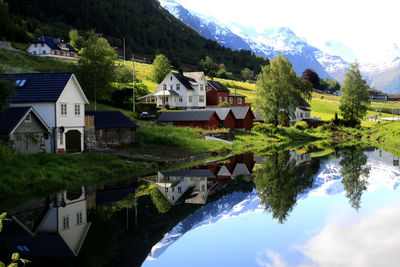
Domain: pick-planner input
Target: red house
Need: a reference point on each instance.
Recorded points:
(226, 116)
(206, 119)
(244, 118)
(218, 93)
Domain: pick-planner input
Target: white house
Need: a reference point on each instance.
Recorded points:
(302, 111)
(337, 93)
(180, 90)
(59, 100)
(188, 186)
(52, 47)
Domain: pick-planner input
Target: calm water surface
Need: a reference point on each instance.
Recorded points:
(287, 209)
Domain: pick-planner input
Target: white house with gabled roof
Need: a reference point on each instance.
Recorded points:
(59, 100)
(180, 90)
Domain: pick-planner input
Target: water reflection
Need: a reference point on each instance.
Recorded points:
(123, 223)
(53, 227)
(281, 178)
(355, 173)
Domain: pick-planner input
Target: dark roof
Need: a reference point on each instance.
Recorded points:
(221, 112)
(39, 87)
(10, 118)
(52, 43)
(189, 173)
(303, 103)
(192, 115)
(240, 112)
(184, 80)
(110, 119)
(218, 86)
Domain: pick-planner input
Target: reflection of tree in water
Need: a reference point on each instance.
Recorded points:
(355, 173)
(279, 181)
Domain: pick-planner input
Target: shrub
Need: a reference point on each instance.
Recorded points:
(264, 128)
(301, 125)
(224, 105)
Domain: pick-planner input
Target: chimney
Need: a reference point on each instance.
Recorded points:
(180, 71)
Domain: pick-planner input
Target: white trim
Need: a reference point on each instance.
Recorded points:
(23, 119)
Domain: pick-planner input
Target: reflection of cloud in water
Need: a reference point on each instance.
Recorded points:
(372, 241)
(269, 258)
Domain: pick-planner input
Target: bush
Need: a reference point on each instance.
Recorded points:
(149, 107)
(224, 105)
(301, 125)
(264, 128)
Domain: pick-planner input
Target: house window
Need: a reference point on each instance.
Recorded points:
(34, 52)
(171, 87)
(63, 109)
(28, 118)
(44, 52)
(77, 109)
(225, 99)
(171, 78)
(179, 189)
(79, 218)
(201, 87)
(173, 189)
(231, 100)
(201, 99)
(190, 99)
(203, 187)
(65, 223)
(178, 86)
(35, 45)
(166, 189)
(61, 137)
(239, 100)
(164, 87)
(220, 99)
(301, 115)
(180, 99)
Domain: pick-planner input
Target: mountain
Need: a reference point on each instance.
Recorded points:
(146, 26)
(206, 26)
(264, 42)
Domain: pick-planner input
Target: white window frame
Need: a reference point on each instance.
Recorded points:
(61, 137)
(164, 87)
(77, 109)
(180, 99)
(64, 107)
(239, 100)
(201, 99)
(79, 218)
(178, 86)
(231, 100)
(219, 99)
(201, 87)
(190, 99)
(226, 99)
(65, 223)
(171, 87)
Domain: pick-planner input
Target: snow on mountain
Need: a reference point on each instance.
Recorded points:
(339, 49)
(334, 65)
(207, 27)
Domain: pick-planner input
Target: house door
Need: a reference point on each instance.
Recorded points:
(73, 141)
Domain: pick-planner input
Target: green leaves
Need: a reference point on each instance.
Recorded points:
(15, 256)
(160, 68)
(2, 218)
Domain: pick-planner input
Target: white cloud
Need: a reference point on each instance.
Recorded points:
(269, 258)
(373, 241)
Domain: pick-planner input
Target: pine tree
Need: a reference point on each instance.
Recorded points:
(354, 99)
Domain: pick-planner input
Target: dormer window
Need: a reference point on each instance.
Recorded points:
(178, 86)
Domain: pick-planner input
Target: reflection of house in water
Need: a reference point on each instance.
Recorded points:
(49, 228)
(194, 185)
(387, 157)
(189, 186)
(300, 158)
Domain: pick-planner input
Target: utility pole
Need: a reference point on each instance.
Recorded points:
(124, 47)
(133, 82)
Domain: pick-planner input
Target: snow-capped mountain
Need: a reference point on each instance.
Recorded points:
(207, 27)
(331, 59)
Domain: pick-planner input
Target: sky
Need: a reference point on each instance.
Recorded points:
(367, 27)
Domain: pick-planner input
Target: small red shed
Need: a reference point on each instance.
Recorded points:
(206, 119)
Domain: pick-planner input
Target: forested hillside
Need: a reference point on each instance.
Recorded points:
(147, 27)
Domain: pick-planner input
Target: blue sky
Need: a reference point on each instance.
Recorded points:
(368, 27)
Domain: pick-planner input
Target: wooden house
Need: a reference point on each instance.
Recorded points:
(206, 119)
(23, 129)
(218, 93)
(244, 118)
(52, 47)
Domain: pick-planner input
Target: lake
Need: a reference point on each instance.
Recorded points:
(289, 208)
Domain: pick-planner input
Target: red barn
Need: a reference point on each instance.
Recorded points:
(218, 93)
(206, 119)
(226, 116)
(244, 118)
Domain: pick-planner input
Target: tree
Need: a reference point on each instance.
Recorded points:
(6, 90)
(247, 74)
(209, 67)
(75, 39)
(279, 182)
(355, 173)
(279, 89)
(96, 67)
(160, 68)
(312, 77)
(354, 99)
